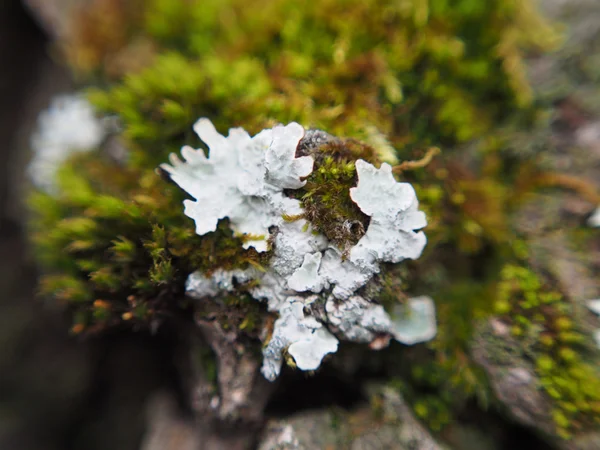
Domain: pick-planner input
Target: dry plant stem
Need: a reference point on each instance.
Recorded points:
(231, 417)
(580, 185)
(411, 165)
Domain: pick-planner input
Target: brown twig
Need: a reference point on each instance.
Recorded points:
(411, 165)
(580, 185)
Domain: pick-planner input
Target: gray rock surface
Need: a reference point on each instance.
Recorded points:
(394, 427)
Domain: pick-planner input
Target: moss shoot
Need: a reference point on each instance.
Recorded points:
(564, 361)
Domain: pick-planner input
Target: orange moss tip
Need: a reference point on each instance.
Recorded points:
(77, 328)
(127, 316)
(101, 304)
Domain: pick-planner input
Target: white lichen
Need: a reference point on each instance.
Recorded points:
(594, 219)
(594, 306)
(360, 320)
(272, 290)
(243, 179)
(415, 321)
(301, 335)
(199, 286)
(346, 276)
(306, 277)
(68, 126)
(357, 319)
(293, 241)
(392, 235)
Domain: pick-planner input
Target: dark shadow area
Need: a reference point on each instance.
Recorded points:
(56, 392)
(22, 56)
(500, 430)
(298, 391)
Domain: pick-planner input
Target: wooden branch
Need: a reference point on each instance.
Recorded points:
(411, 165)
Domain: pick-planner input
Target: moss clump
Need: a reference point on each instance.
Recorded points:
(434, 411)
(412, 74)
(559, 349)
(326, 194)
(240, 313)
(420, 72)
(416, 73)
(159, 105)
(117, 246)
(424, 390)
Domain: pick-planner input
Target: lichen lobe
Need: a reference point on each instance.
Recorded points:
(242, 179)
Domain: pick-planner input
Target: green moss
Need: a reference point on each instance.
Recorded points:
(391, 287)
(159, 105)
(238, 312)
(433, 72)
(433, 411)
(409, 74)
(401, 77)
(205, 358)
(326, 195)
(433, 394)
(121, 237)
(563, 359)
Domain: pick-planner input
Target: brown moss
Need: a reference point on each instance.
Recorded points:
(237, 312)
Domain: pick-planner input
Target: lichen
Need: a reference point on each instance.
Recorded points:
(242, 179)
(360, 320)
(307, 278)
(300, 260)
(302, 336)
(68, 126)
(393, 207)
(594, 219)
(594, 306)
(415, 321)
